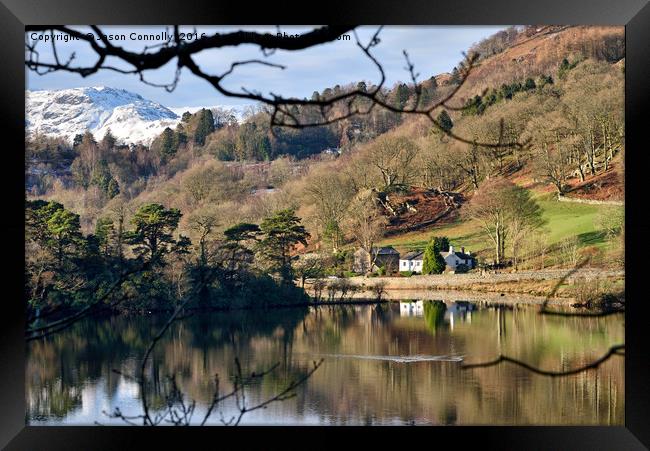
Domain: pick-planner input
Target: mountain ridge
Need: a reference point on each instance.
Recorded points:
(68, 112)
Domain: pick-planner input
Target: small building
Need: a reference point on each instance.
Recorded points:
(412, 261)
(386, 256)
(453, 259)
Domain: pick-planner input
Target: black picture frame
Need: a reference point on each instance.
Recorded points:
(15, 14)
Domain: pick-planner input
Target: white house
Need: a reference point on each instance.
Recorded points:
(412, 261)
(453, 258)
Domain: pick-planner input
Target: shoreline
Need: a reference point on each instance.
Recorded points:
(555, 284)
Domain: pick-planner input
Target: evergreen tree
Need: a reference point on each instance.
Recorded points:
(530, 84)
(563, 69)
(442, 243)
(168, 144)
(433, 262)
(104, 229)
(401, 95)
(152, 237)
(204, 127)
(113, 188)
(445, 121)
(426, 96)
(102, 178)
(281, 232)
(180, 137)
(455, 76)
(108, 141)
(186, 117)
(77, 139)
(64, 232)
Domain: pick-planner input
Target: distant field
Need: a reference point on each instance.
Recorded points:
(563, 220)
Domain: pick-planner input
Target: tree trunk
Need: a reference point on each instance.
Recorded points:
(498, 243)
(591, 153)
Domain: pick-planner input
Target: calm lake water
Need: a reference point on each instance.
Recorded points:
(384, 364)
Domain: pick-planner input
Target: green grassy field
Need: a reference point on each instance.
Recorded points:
(563, 220)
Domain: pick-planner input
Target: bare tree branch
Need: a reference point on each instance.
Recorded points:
(616, 350)
(279, 114)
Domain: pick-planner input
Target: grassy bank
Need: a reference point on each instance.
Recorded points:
(563, 220)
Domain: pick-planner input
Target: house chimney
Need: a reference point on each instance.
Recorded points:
(462, 250)
(451, 249)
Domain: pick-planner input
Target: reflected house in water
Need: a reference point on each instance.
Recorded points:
(411, 308)
(460, 311)
(457, 311)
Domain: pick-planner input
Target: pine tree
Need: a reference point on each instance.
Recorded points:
(204, 127)
(108, 141)
(445, 121)
(433, 262)
(530, 84)
(77, 139)
(563, 69)
(168, 144)
(154, 225)
(442, 243)
(104, 229)
(401, 95)
(281, 232)
(113, 188)
(455, 76)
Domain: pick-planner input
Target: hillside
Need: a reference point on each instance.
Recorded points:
(539, 51)
(420, 208)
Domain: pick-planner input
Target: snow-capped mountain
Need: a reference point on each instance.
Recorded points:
(68, 112)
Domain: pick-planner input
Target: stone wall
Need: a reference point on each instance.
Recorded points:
(590, 201)
(446, 281)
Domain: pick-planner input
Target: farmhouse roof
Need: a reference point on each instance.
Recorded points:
(462, 255)
(413, 255)
(387, 250)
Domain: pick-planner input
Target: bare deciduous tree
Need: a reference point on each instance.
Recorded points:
(366, 224)
(331, 194)
(504, 210)
(392, 157)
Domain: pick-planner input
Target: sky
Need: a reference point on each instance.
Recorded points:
(432, 49)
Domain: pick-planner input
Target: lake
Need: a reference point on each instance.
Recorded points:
(384, 364)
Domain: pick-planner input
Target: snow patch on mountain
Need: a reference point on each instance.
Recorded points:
(68, 112)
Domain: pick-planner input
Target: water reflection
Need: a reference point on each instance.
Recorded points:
(384, 364)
